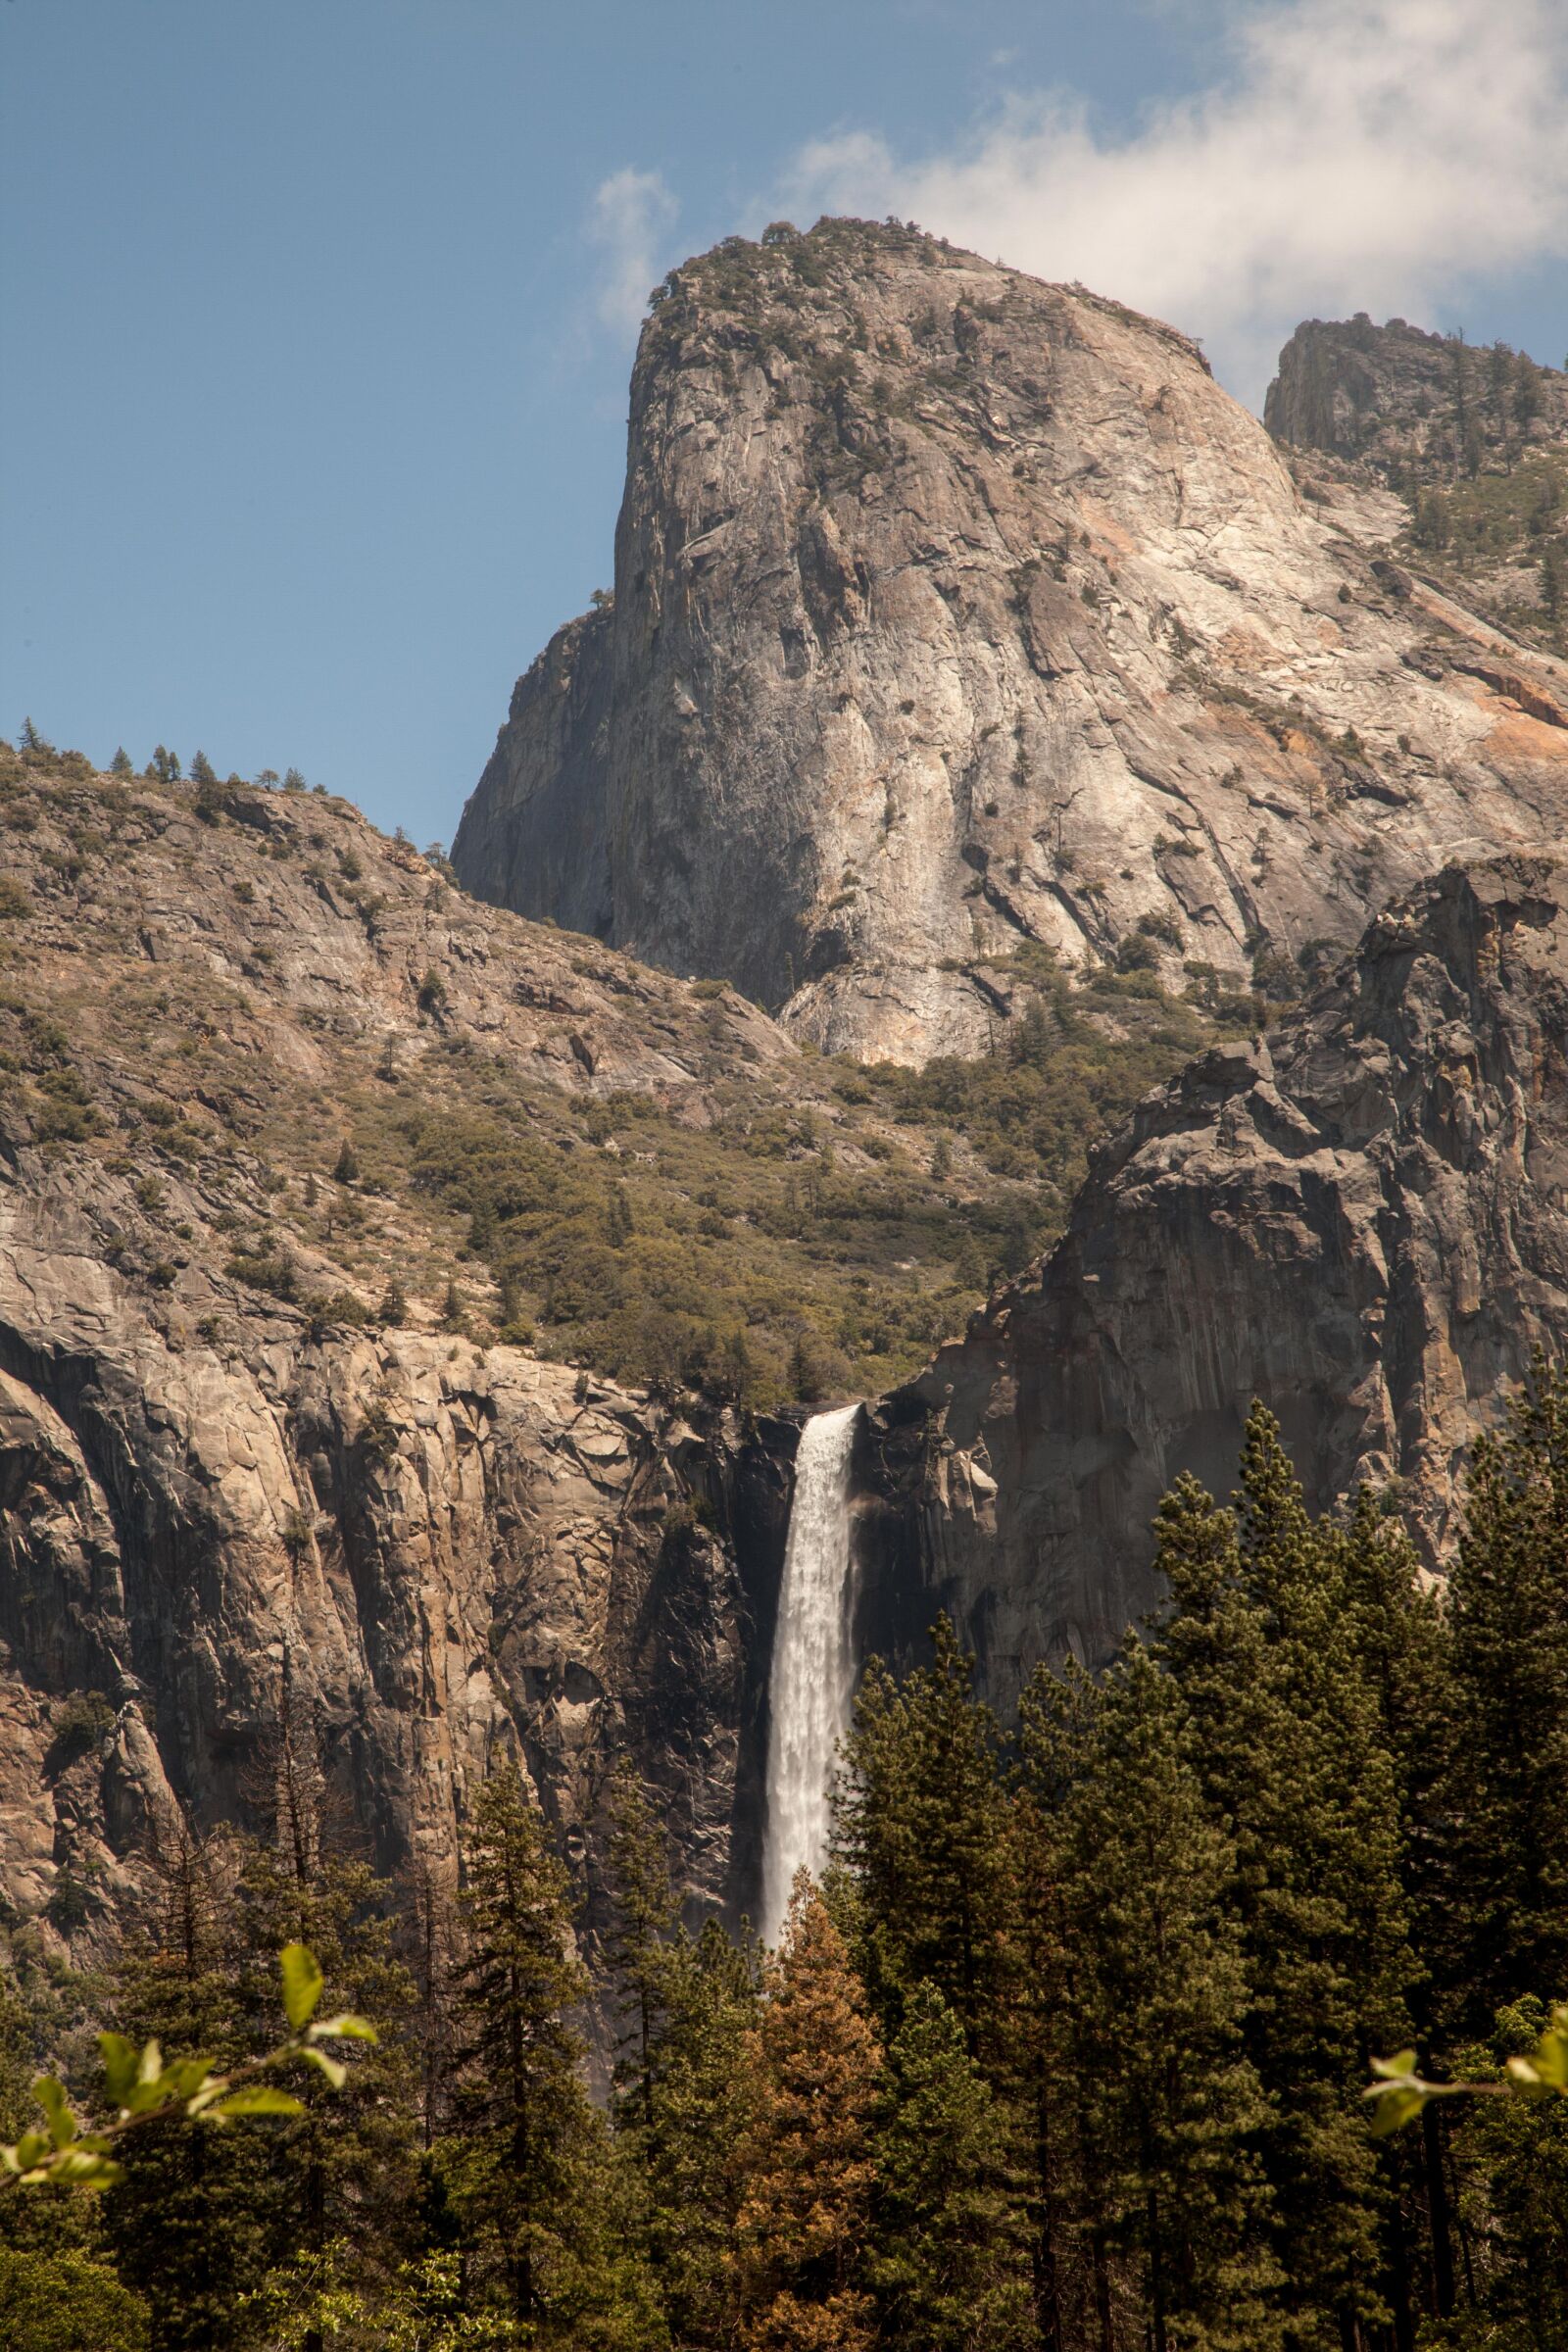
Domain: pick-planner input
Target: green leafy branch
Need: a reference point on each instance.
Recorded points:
(141, 2088)
(1400, 2093)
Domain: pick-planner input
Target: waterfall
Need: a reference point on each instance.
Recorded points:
(813, 1682)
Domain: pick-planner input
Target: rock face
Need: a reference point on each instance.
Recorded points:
(1411, 406)
(226, 1488)
(1474, 443)
(1362, 1219)
(435, 1552)
(954, 610)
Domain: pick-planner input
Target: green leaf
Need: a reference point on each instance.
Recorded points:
(302, 1985)
(120, 2066)
(337, 2073)
(1530, 2082)
(30, 2149)
(257, 2099)
(344, 2028)
(150, 2065)
(186, 2077)
(1552, 2058)
(1396, 2067)
(1397, 2105)
(211, 2092)
(51, 2098)
(84, 2169)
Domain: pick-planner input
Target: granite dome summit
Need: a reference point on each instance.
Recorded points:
(954, 610)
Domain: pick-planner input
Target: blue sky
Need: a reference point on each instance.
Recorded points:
(319, 313)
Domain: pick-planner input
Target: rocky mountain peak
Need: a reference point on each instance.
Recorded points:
(954, 611)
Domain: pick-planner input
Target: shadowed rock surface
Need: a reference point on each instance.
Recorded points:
(951, 609)
(1361, 1218)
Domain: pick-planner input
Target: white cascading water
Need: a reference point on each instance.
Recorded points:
(812, 1683)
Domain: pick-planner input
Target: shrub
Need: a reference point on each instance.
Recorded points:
(377, 1439)
(339, 1308)
(267, 1271)
(67, 1113)
(14, 904)
(83, 1722)
(1137, 953)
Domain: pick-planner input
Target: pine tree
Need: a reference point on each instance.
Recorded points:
(1507, 1796)
(337, 2185)
(520, 2108)
(187, 2225)
(949, 2270)
(1515, 2155)
(1400, 1638)
(1554, 583)
(1063, 2200)
(709, 2005)
(1290, 1752)
(431, 1945)
(1158, 2002)
(39, 2002)
(340, 2181)
(120, 765)
(645, 1914)
(1500, 360)
(804, 2157)
(921, 1823)
(1461, 401)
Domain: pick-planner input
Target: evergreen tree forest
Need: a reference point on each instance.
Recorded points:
(1068, 2052)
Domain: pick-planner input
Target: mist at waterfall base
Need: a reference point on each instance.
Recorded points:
(812, 1683)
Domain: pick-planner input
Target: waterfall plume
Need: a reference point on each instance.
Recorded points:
(813, 1681)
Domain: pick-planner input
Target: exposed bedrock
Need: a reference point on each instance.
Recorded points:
(1361, 1220)
(954, 610)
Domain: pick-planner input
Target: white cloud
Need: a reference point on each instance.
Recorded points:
(629, 221)
(1361, 155)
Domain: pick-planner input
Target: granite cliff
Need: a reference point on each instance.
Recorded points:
(955, 611)
(258, 1465)
(1361, 1217)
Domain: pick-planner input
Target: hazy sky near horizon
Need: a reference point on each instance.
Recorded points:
(317, 313)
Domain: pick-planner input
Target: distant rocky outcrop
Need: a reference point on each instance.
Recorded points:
(1413, 406)
(1361, 1218)
(954, 610)
(1473, 443)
